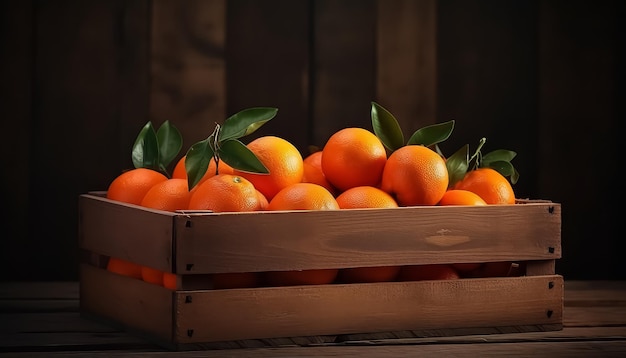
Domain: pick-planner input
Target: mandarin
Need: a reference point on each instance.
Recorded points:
(169, 195)
(313, 172)
(427, 272)
(132, 185)
(489, 184)
(415, 175)
(236, 280)
(303, 196)
(225, 193)
(365, 197)
(124, 267)
(460, 197)
(170, 280)
(283, 161)
(369, 274)
(180, 172)
(301, 277)
(151, 275)
(353, 157)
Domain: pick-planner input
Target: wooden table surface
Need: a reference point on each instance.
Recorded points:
(42, 319)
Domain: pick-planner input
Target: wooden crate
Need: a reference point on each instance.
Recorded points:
(195, 245)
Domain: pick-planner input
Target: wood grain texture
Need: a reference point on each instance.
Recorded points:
(268, 54)
(353, 238)
(125, 301)
(406, 58)
(344, 61)
(344, 309)
(188, 66)
(588, 331)
(139, 235)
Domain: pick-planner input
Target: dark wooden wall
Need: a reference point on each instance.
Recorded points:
(79, 78)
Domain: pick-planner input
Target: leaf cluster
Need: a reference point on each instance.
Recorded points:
(155, 149)
(224, 144)
(388, 130)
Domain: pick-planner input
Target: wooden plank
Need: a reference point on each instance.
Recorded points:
(543, 267)
(267, 52)
(608, 349)
(582, 65)
(406, 72)
(125, 301)
(188, 69)
(16, 103)
(48, 321)
(39, 290)
(344, 66)
(90, 83)
(345, 309)
(595, 316)
(134, 228)
(487, 80)
(352, 238)
(595, 293)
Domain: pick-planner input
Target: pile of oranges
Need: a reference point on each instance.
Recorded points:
(352, 170)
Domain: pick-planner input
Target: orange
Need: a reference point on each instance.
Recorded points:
(236, 280)
(464, 267)
(415, 175)
(369, 274)
(170, 280)
(489, 184)
(353, 157)
(303, 196)
(169, 195)
(460, 197)
(124, 267)
(313, 172)
(132, 185)
(181, 173)
(281, 158)
(365, 197)
(151, 275)
(427, 272)
(263, 203)
(225, 192)
(301, 277)
(492, 269)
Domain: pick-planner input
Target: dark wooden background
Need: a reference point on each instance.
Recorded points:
(80, 78)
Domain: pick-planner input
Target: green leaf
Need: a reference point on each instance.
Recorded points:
(506, 169)
(197, 161)
(515, 176)
(145, 153)
(238, 156)
(246, 122)
(498, 155)
(170, 143)
(502, 167)
(457, 164)
(386, 127)
(432, 134)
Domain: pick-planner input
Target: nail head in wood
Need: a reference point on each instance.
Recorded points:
(187, 299)
(188, 223)
(551, 250)
(551, 209)
(550, 285)
(189, 332)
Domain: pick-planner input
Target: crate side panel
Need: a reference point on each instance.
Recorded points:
(226, 315)
(134, 304)
(266, 241)
(126, 231)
